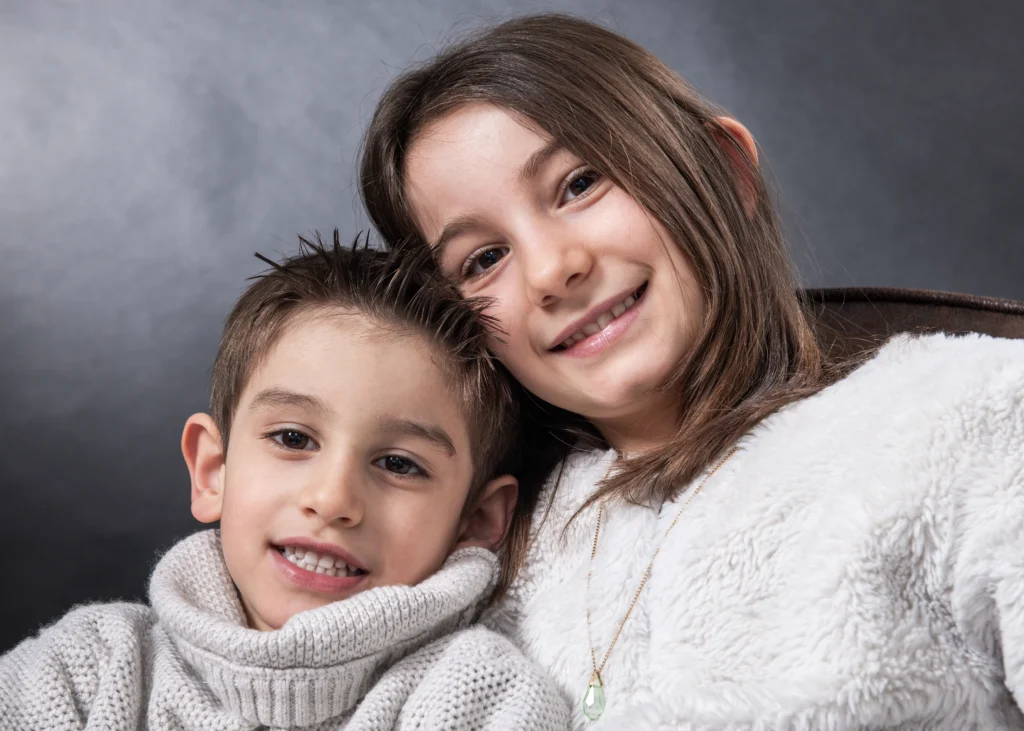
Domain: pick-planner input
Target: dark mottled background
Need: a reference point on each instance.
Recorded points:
(148, 148)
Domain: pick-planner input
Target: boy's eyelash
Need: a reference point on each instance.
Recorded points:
(269, 436)
(421, 471)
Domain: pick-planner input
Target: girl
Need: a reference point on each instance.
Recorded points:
(741, 538)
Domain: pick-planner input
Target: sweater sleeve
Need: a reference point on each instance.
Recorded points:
(987, 518)
(480, 681)
(86, 668)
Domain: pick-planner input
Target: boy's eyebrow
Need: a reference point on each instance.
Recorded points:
(408, 427)
(462, 224)
(275, 396)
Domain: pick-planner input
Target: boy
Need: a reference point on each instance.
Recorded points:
(356, 458)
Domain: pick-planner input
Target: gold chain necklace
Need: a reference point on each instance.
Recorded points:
(594, 698)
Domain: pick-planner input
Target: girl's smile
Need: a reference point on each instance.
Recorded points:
(593, 333)
(597, 304)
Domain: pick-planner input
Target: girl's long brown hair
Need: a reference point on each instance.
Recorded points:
(623, 111)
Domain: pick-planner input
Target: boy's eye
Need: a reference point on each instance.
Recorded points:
(293, 439)
(482, 260)
(579, 184)
(399, 465)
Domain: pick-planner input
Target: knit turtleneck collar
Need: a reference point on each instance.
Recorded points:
(321, 662)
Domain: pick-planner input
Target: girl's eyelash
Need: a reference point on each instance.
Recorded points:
(464, 273)
(578, 172)
(467, 265)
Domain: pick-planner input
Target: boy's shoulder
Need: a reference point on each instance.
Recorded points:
(68, 664)
(102, 624)
(88, 636)
(476, 678)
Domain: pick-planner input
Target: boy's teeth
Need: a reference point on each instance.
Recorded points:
(600, 323)
(311, 561)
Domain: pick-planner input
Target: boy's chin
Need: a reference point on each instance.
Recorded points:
(274, 614)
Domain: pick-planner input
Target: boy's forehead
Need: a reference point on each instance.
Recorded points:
(345, 357)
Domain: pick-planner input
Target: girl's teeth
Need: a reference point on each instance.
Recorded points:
(326, 562)
(601, 323)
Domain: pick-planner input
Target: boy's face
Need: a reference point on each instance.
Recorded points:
(347, 446)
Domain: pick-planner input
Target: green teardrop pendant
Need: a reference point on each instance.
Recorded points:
(593, 700)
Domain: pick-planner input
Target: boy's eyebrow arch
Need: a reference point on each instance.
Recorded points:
(275, 396)
(409, 427)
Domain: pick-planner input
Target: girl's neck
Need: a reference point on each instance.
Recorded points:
(639, 432)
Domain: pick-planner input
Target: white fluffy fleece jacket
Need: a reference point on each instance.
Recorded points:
(858, 564)
(394, 657)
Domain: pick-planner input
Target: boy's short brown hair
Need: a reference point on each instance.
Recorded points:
(401, 294)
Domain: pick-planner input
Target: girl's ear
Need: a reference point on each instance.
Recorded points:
(728, 134)
(487, 521)
(204, 454)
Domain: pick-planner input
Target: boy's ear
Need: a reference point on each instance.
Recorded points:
(487, 521)
(728, 134)
(204, 454)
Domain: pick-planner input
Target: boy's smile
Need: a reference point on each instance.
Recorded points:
(348, 467)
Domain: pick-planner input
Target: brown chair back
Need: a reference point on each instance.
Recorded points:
(851, 321)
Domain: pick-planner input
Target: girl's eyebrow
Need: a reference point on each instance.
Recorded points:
(464, 224)
(536, 161)
(456, 227)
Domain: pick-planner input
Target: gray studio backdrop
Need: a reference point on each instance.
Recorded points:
(148, 148)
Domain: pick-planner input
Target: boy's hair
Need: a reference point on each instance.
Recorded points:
(403, 295)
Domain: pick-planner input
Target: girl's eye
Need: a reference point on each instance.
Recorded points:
(579, 184)
(293, 439)
(399, 465)
(482, 260)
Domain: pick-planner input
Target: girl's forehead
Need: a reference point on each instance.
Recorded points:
(479, 129)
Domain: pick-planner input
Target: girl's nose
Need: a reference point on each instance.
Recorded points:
(553, 266)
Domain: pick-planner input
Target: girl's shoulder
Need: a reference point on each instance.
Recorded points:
(929, 362)
(926, 375)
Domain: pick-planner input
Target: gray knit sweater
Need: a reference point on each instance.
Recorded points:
(389, 658)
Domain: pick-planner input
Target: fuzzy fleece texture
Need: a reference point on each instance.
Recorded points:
(394, 657)
(858, 564)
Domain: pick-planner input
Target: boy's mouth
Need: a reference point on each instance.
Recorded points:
(602, 320)
(318, 563)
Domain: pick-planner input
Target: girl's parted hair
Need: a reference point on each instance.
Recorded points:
(627, 114)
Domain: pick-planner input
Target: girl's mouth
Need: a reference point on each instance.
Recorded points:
(602, 321)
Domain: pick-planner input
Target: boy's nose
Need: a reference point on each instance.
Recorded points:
(335, 497)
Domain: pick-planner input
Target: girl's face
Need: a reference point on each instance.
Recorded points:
(597, 302)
